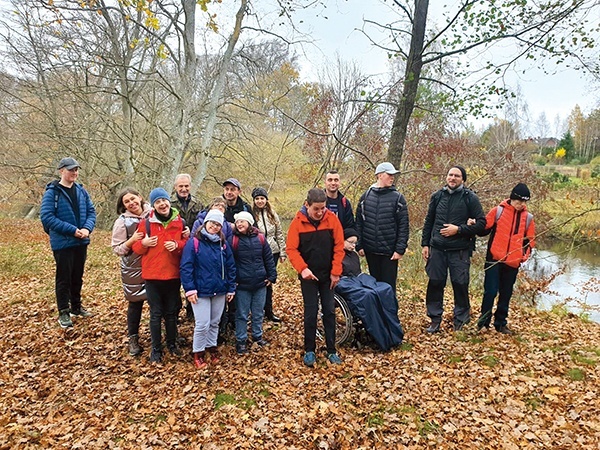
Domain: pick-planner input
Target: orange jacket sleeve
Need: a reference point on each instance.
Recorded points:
(338, 247)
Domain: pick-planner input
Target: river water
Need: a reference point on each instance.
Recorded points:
(577, 283)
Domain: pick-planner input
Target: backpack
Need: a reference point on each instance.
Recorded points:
(147, 225)
(235, 241)
(500, 210)
(197, 245)
(56, 194)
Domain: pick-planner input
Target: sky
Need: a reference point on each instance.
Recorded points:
(336, 30)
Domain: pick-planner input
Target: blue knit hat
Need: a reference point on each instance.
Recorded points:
(157, 194)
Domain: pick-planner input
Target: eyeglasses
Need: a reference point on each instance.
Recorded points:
(351, 242)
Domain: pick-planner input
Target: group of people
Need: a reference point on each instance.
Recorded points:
(225, 255)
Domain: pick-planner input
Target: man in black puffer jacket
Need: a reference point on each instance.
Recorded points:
(447, 246)
(382, 226)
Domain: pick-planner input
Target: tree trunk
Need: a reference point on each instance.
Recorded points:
(412, 76)
(215, 97)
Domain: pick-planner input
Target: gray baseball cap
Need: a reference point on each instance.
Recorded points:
(68, 163)
(387, 168)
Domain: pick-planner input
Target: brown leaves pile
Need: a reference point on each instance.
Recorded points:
(81, 389)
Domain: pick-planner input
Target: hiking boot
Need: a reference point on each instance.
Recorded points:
(80, 312)
(505, 330)
(334, 358)
(434, 327)
(156, 355)
(260, 342)
(309, 359)
(64, 319)
(212, 355)
(241, 347)
(134, 345)
(174, 350)
(199, 360)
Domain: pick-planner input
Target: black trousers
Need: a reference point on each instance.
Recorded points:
(164, 302)
(312, 291)
(382, 268)
(70, 263)
(269, 299)
(134, 317)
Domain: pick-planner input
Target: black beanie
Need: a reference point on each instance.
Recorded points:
(350, 232)
(260, 192)
(462, 171)
(520, 192)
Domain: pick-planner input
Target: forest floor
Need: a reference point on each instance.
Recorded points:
(81, 389)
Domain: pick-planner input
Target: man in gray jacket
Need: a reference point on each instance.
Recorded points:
(382, 225)
(448, 243)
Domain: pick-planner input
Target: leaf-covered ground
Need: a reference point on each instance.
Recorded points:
(81, 389)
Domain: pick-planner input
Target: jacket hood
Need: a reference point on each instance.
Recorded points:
(252, 231)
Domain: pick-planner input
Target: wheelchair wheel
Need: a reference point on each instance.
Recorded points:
(344, 324)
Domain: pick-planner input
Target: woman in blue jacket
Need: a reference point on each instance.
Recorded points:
(208, 278)
(255, 271)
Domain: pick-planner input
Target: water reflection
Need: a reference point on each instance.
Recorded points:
(577, 284)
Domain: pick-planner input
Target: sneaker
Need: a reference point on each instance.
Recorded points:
(334, 358)
(174, 350)
(64, 319)
(505, 330)
(156, 356)
(212, 355)
(199, 360)
(260, 342)
(241, 347)
(134, 345)
(434, 327)
(80, 312)
(309, 359)
(273, 318)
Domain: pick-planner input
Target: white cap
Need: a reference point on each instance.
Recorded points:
(244, 215)
(387, 168)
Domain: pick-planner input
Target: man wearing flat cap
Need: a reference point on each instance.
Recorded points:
(68, 216)
(232, 189)
(382, 225)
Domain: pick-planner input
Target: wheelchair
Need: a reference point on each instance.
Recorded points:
(345, 323)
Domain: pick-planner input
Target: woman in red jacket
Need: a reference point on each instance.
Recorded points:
(161, 250)
(512, 236)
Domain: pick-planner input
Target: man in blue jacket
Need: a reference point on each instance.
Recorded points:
(69, 217)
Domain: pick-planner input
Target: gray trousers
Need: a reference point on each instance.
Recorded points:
(458, 263)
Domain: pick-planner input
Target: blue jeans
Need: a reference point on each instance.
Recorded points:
(249, 302)
(499, 279)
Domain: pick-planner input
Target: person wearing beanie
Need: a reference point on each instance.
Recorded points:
(351, 262)
(208, 278)
(337, 203)
(269, 224)
(447, 244)
(382, 224)
(161, 249)
(219, 204)
(69, 217)
(512, 237)
(255, 271)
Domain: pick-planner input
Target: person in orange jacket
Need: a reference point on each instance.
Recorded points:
(315, 248)
(161, 249)
(512, 236)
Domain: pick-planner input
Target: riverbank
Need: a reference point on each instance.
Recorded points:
(537, 389)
